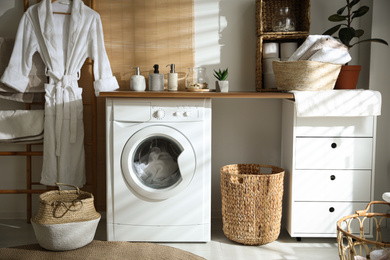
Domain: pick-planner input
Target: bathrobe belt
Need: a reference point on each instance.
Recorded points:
(61, 86)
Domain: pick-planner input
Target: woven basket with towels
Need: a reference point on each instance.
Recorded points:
(66, 219)
(305, 75)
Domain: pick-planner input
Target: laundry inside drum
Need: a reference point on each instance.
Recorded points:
(155, 162)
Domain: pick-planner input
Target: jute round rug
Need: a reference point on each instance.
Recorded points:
(100, 250)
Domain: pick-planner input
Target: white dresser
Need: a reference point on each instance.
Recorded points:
(329, 163)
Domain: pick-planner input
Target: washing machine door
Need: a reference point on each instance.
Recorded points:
(158, 162)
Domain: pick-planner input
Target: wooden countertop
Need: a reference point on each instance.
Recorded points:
(185, 94)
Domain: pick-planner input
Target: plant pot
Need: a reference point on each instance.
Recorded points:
(348, 77)
(222, 86)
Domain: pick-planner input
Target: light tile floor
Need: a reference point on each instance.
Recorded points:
(18, 232)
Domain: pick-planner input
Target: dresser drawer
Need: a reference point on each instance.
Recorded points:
(335, 126)
(332, 185)
(322, 217)
(333, 153)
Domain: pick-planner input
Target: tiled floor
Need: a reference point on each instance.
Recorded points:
(18, 232)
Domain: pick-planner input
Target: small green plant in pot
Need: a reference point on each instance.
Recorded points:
(222, 85)
(349, 36)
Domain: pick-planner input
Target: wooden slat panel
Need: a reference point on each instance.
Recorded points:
(139, 33)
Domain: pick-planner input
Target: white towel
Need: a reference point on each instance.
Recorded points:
(331, 55)
(322, 48)
(310, 40)
(17, 124)
(37, 77)
(380, 254)
(386, 197)
(338, 103)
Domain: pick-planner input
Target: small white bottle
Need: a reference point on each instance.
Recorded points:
(172, 78)
(156, 80)
(137, 81)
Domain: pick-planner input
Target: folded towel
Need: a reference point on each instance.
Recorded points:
(322, 48)
(16, 124)
(310, 40)
(37, 77)
(386, 197)
(380, 254)
(331, 55)
(338, 103)
(25, 140)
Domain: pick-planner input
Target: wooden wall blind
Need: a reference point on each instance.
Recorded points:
(141, 33)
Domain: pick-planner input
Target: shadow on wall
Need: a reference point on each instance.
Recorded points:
(226, 38)
(10, 14)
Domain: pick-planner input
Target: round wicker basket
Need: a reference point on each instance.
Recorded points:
(251, 202)
(354, 245)
(305, 75)
(66, 219)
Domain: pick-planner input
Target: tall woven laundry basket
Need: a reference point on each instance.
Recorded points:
(252, 197)
(66, 219)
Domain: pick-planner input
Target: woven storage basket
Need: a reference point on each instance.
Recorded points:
(66, 219)
(352, 245)
(305, 75)
(251, 202)
(266, 9)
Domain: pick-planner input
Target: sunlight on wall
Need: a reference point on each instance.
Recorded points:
(207, 28)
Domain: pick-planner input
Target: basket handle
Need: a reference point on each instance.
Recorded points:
(363, 212)
(69, 185)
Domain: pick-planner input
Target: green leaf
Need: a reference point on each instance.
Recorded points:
(354, 2)
(360, 12)
(221, 75)
(332, 30)
(341, 10)
(359, 33)
(337, 18)
(372, 40)
(346, 35)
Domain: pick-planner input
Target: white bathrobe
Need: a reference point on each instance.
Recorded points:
(64, 42)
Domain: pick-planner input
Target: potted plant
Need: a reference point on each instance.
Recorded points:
(222, 85)
(346, 34)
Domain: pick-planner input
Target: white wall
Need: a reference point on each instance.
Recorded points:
(247, 130)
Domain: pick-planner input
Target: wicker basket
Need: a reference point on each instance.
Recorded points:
(66, 219)
(351, 245)
(265, 12)
(305, 75)
(251, 202)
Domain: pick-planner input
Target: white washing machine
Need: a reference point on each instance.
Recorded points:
(158, 169)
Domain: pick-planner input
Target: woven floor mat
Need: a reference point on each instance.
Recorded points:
(100, 250)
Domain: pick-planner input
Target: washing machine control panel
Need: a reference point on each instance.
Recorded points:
(176, 113)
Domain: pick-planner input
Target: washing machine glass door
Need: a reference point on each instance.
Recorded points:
(158, 162)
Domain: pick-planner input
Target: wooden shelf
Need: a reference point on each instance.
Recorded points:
(185, 94)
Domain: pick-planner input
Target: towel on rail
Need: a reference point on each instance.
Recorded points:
(21, 125)
(37, 77)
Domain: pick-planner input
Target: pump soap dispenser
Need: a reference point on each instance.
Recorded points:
(137, 81)
(156, 80)
(172, 78)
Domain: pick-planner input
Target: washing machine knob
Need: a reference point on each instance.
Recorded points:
(186, 114)
(160, 114)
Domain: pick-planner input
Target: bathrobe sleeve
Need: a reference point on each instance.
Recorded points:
(104, 80)
(26, 44)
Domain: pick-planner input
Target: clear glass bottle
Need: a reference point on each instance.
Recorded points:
(196, 78)
(283, 20)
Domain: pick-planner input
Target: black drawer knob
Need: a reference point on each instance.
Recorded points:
(331, 209)
(333, 145)
(332, 177)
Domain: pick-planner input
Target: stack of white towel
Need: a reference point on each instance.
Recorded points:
(21, 126)
(322, 48)
(37, 74)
